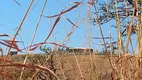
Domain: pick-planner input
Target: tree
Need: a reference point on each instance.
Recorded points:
(124, 13)
(45, 49)
(109, 11)
(133, 1)
(130, 1)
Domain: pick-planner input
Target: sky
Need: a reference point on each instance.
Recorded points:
(11, 15)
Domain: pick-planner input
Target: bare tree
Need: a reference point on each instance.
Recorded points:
(124, 10)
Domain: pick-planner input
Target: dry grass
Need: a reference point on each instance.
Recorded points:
(66, 67)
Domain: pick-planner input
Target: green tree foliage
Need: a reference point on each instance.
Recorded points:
(46, 49)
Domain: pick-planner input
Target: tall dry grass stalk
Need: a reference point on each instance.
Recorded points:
(35, 31)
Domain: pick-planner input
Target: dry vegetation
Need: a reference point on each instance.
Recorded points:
(123, 65)
(66, 67)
